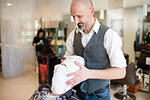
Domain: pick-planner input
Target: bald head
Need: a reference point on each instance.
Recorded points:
(86, 3)
(82, 11)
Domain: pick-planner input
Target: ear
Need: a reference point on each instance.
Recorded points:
(92, 10)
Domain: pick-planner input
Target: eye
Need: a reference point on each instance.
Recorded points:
(80, 16)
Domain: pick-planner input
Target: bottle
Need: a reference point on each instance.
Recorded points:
(42, 42)
(145, 37)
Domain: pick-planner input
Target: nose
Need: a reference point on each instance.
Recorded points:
(76, 20)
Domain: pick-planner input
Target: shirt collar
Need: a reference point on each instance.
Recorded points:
(95, 27)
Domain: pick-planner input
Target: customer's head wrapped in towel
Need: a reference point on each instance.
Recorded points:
(60, 78)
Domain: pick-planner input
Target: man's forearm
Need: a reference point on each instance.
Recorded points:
(83, 74)
(110, 73)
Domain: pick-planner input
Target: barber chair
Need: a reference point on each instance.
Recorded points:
(141, 63)
(130, 79)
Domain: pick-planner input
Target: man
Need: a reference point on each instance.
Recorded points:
(100, 47)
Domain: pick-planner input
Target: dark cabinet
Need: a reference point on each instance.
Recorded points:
(146, 35)
(146, 31)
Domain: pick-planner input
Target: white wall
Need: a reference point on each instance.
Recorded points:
(116, 14)
(17, 28)
(55, 9)
(100, 4)
(130, 22)
(131, 3)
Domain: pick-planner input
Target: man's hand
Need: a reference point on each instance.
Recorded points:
(81, 75)
(62, 60)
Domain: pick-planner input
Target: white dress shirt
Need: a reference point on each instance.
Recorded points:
(112, 44)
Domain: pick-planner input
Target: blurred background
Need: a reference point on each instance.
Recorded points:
(20, 20)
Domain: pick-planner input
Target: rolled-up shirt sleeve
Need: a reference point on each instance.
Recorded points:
(113, 44)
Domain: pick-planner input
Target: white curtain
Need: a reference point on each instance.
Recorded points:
(17, 31)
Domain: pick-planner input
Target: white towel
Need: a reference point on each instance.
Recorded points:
(59, 79)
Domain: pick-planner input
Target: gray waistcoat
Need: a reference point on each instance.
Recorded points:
(95, 57)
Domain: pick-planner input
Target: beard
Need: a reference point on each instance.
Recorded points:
(81, 26)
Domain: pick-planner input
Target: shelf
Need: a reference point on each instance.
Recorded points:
(57, 45)
(57, 35)
(145, 46)
(61, 36)
(146, 20)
